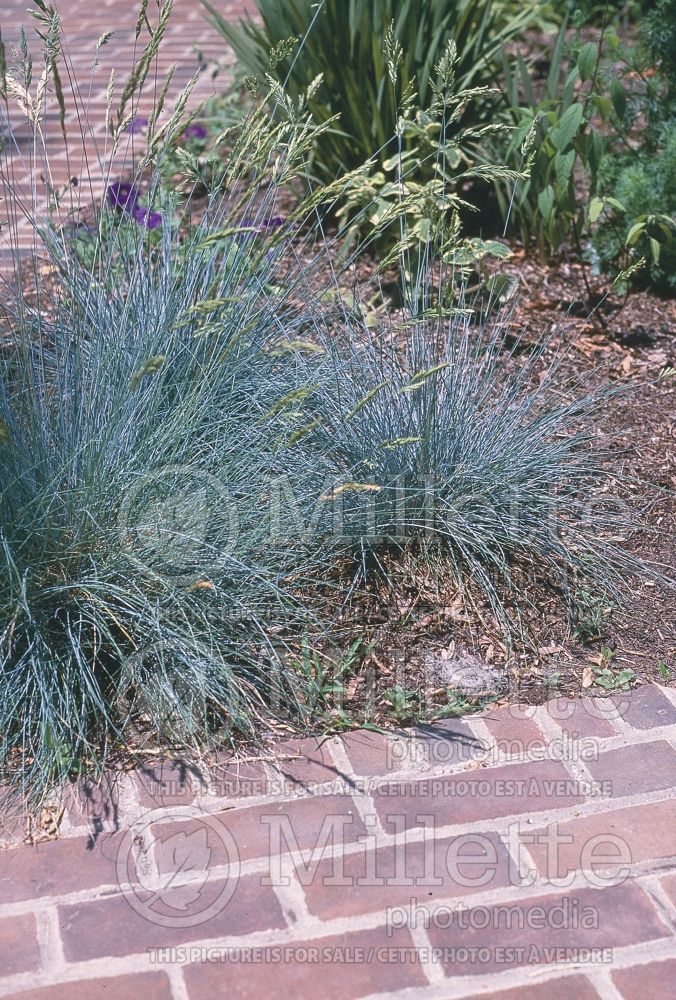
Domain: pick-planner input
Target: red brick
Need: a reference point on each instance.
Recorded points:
(513, 735)
(653, 981)
(518, 933)
(566, 988)
(230, 778)
(582, 716)
(518, 711)
(149, 985)
(168, 783)
(447, 743)
(403, 872)
(93, 803)
(646, 708)
(112, 927)
(252, 834)
(644, 767)
(644, 832)
(57, 867)
(341, 967)
(309, 762)
(476, 795)
(19, 950)
(367, 752)
(669, 886)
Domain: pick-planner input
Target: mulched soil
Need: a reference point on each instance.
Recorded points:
(423, 623)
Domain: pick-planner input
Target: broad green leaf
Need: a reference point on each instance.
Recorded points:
(586, 60)
(595, 151)
(568, 127)
(546, 202)
(494, 248)
(618, 97)
(595, 209)
(635, 233)
(604, 105)
(563, 166)
(655, 248)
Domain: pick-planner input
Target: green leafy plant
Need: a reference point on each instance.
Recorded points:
(322, 682)
(607, 11)
(611, 680)
(658, 33)
(404, 704)
(553, 142)
(592, 613)
(343, 43)
(639, 218)
(635, 211)
(458, 705)
(597, 143)
(415, 192)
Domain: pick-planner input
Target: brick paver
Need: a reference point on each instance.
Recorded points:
(190, 44)
(489, 857)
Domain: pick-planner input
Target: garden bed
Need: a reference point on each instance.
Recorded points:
(119, 373)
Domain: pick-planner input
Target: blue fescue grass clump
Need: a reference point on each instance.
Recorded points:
(137, 579)
(188, 450)
(475, 452)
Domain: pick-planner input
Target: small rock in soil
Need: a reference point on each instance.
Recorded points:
(465, 673)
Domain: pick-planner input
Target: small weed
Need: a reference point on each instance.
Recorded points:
(404, 704)
(323, 682)
(592, 612)
(457, 705)
(609, 680)
(663, 669)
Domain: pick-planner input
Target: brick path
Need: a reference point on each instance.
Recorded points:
(520, 854)
(89, 159)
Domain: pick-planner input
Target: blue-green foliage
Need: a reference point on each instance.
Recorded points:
(450, 447)
(137, 576)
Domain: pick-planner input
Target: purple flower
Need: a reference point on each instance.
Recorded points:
(123, 195)
(195, 131)
(137, 124)
(261, 228)
(144, 217)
